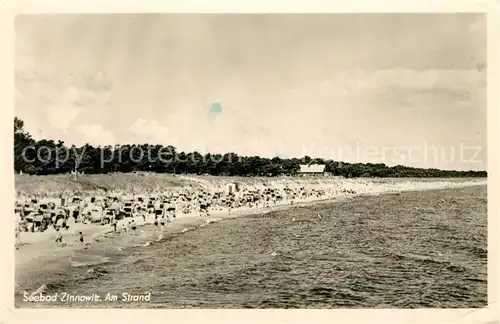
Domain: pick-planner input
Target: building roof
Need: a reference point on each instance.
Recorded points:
(314, 168)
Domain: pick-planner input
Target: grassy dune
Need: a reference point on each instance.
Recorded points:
(53, 185)
(98, 183)
(129, 182)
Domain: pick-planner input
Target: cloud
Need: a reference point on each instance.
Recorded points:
(62, 117)
(326, 113)
(96, 82)
(380, 107)
(54, 97)
(360, 81)
(59, 100)
(153, 132)
(95, 134)
(24, 53)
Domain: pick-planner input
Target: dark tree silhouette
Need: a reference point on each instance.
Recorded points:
(57, 158)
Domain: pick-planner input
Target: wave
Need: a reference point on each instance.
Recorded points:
(428, 260)
(99, 261)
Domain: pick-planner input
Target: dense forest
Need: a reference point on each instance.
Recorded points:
(45, 157)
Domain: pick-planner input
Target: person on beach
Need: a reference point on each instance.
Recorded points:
(203, 202)
(76, 213)
(58, 237)
(64, 222)
(133, 225)
(115, 207)
(162, 222)
(18, 235)
(158, 210)
(169, 211)
(174, 204)
(81, 238)
(114, 224)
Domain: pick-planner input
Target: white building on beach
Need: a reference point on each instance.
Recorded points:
(312, 169)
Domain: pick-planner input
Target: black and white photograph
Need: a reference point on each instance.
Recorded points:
(250, 161)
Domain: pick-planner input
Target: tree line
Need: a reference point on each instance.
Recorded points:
(44, 157)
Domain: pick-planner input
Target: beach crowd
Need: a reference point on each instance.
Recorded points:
(118, 210)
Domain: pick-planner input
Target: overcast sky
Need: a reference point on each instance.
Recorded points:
(353, 87)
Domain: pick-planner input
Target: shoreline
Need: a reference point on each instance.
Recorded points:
(95, 268)
(42, 256)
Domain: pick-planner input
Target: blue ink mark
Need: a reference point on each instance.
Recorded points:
(281, 155)
(216, 108)
(214, 111)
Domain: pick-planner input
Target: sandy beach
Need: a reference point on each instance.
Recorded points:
(123, 262)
